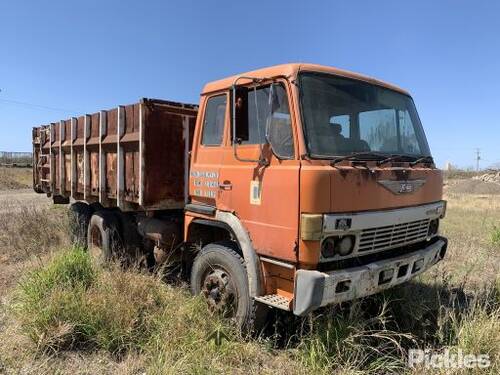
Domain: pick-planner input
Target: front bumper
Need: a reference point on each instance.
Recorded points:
(314, 289)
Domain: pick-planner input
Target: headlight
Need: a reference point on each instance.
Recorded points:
(344, 246)
(328, 247)
(337, 245)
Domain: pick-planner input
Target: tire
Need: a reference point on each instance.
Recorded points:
(220, 275)
(79, 215)
(103, 236)
(96, 206)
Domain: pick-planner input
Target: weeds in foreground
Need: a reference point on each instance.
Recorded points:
(352, 339)
(69, 304)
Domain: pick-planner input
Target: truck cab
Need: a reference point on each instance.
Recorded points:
(323, 177)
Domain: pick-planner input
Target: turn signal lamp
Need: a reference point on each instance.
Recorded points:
(311, 227)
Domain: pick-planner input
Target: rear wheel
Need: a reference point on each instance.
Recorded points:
(79, 215)
(103, 236)
(219, 275)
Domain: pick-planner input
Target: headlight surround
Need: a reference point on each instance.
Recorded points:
(338, 245)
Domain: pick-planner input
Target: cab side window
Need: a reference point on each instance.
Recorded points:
(213, 125)
(265, 111)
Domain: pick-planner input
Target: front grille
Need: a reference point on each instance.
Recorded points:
(390, 236)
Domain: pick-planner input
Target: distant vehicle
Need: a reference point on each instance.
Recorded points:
(291, 187)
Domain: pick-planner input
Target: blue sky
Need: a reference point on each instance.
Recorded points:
(73, 57)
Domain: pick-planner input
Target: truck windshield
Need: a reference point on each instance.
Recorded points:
(344, 116)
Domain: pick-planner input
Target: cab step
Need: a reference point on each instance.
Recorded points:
(275, 300)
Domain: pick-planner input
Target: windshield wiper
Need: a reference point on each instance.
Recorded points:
(356, 155)
(424, 159)
(394, 157)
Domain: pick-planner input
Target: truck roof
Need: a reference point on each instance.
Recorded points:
(292, 70)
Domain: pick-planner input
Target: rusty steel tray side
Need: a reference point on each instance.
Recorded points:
(134, 157)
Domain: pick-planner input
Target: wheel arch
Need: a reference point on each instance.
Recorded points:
(232, 225)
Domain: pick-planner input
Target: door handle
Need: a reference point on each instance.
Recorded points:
(226, 185)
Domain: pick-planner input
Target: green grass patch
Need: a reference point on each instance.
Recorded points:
(495, 236)
(70, 303)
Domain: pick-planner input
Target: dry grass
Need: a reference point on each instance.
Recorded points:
(472, 258)
(475, 187)
(27, 231)
(70, 305)
(460, 174)
(27, 234)
(15, 178)
(69, 317)
(136, 321)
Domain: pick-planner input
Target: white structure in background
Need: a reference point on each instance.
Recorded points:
(448, 166)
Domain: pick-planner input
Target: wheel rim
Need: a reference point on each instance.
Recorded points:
(95, 247)
(219, 292)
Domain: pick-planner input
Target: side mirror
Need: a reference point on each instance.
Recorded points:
(270, 111)
(281, 144)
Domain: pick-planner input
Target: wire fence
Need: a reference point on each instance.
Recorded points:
(16, 159)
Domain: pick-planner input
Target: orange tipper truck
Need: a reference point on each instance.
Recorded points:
(291, 187)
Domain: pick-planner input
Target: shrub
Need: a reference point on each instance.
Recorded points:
(69, 304)
(69, 270)
(49, 298)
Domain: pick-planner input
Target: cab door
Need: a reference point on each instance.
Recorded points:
(207, 157)
(264, 196)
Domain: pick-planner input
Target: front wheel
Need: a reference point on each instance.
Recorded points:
(219, 275)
